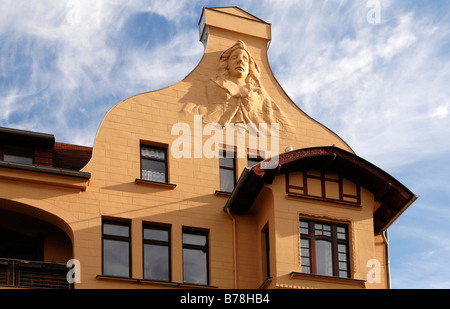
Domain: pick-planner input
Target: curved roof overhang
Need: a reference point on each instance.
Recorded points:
(393, 196)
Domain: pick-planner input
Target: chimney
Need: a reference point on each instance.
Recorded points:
(221, 27)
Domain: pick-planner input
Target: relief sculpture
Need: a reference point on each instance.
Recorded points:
(236, 95)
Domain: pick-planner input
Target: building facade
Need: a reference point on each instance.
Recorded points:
(219, 181)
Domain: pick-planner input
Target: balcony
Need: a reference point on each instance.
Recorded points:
(33, 274)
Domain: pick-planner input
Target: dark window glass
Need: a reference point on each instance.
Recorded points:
(253, 161)
(21, 155)
(153, 163)
(157, 253)
(324, 249)
(227, 172)
(195, 257)
(265, 244)
(116, 249)
(115, 229)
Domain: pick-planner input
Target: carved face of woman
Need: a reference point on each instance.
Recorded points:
(238, 64)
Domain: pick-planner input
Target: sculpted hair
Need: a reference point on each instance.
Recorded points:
(254, 71)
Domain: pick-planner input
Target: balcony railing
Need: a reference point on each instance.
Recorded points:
(33, 274)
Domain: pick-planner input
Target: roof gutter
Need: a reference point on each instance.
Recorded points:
(45, 169)
(28, 136)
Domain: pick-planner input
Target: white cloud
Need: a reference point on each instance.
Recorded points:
(374, 85)
(164, 64)
(72, 62)
(382, 87)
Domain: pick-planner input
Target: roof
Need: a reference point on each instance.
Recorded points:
(26, 137)
(62, 156)
(72, 157)
(393, 196)
(237, 11)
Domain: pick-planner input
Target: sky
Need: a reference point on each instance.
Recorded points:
(374, 72)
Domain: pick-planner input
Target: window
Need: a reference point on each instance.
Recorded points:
(195, 257)
(116, 248)
(154, 163)
(227, 172)
(324, 249)
(265, 252)
(18, 154)
(323, 186)
(253, 161)
(156, 252)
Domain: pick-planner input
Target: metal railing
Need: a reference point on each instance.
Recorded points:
(33, 274)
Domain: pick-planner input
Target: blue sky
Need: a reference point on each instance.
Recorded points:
(383, 87)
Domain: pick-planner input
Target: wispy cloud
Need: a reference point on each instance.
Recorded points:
(382, 87)
(65, 64)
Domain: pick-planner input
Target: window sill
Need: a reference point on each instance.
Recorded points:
(155, 183)
(146, 281)
(222, 193)
(355, 283)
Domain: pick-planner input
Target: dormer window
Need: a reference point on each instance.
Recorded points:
(16, 154)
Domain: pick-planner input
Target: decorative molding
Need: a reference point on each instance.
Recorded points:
(44, 176)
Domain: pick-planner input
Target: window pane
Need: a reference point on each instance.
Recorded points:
(341, 232)
(304, 243)
(341, 229)
(153, 153)
(304, 227)
(195, 266)
(341, 236)
(342, 266)
(304, 224)
(304, 231)
(156, 234)
(324, 259)
(327, 230)
(322, 229)
(17, 159)
(14, 154)
(153, 170)
(116, 258)
(342, 257)
(194, 239)
(305, 261)
(156, 262)
(116, 229)
(226, 162)
(306, 269)
(343, 274)
(226, 180)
